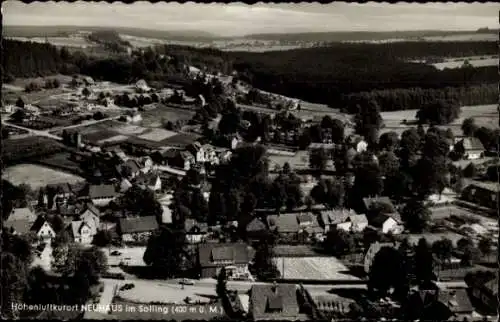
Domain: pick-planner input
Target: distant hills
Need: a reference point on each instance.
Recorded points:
(203, 36)
(363, 35)
(65, 31)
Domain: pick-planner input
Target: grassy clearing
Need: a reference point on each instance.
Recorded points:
(146, 292)
(37, 176)
(473, 62)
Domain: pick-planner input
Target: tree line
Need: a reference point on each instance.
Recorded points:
(345, 68)
(415, 98)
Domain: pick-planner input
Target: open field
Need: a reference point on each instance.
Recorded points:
(314, 268)
(484, 115)
(37, 176)
(154, 118)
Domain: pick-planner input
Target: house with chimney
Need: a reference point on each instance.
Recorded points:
(233, 257)
(344, 219)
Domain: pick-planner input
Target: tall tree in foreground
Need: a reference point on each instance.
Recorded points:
(166, 253)
(221, 287)
(388, 271)
(264, 267)
(416, 216)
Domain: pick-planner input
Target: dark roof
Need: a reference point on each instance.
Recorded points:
(369, 202)
(133, 165)
(40, 221)
(284, 297)
(492, 286)
(256, 225)
(302, 218)
(335, 216)
(102, 191)
(238, 252)
(169, 153)
(379, 220)
(456, 300)
(138, 224)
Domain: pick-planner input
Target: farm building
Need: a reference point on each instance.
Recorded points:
(234, 257)
(102, 195)
(470, 147)
(388, 223)
(137, 229)
(483, 194)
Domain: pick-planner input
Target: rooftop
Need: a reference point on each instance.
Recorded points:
(137, 224)
(274, 301)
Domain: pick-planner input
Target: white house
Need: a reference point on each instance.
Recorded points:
(81, 232)
(43, 230)
(125, 185)
(146, 164)
(388, 223)
(141, 85)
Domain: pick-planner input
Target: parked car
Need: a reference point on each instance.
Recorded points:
(115, 253)
(118, 276)
(127, 286)
(186, 281)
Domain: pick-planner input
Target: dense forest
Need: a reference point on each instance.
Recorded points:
(339, 75)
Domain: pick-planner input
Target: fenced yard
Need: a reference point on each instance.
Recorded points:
(37, 176)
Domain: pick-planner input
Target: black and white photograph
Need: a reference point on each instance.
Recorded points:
(249, 162)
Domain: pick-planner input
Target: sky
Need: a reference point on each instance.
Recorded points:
(239, 19)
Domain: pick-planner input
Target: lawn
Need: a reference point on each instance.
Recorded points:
(37, 176)
(474, 62)
(157, 135)
(312, 268)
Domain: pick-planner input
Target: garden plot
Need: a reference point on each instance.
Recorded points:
(37, 176)
(312, 268)
(127, 129)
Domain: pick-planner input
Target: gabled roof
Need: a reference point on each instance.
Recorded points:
(90, 207)
(22, 214)
(335, 216)
(471, 143)
(138, 224)
(102, 191)
(283, 297)
(39, 224)
(380, 219)
(76, 227)
(238, 252)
